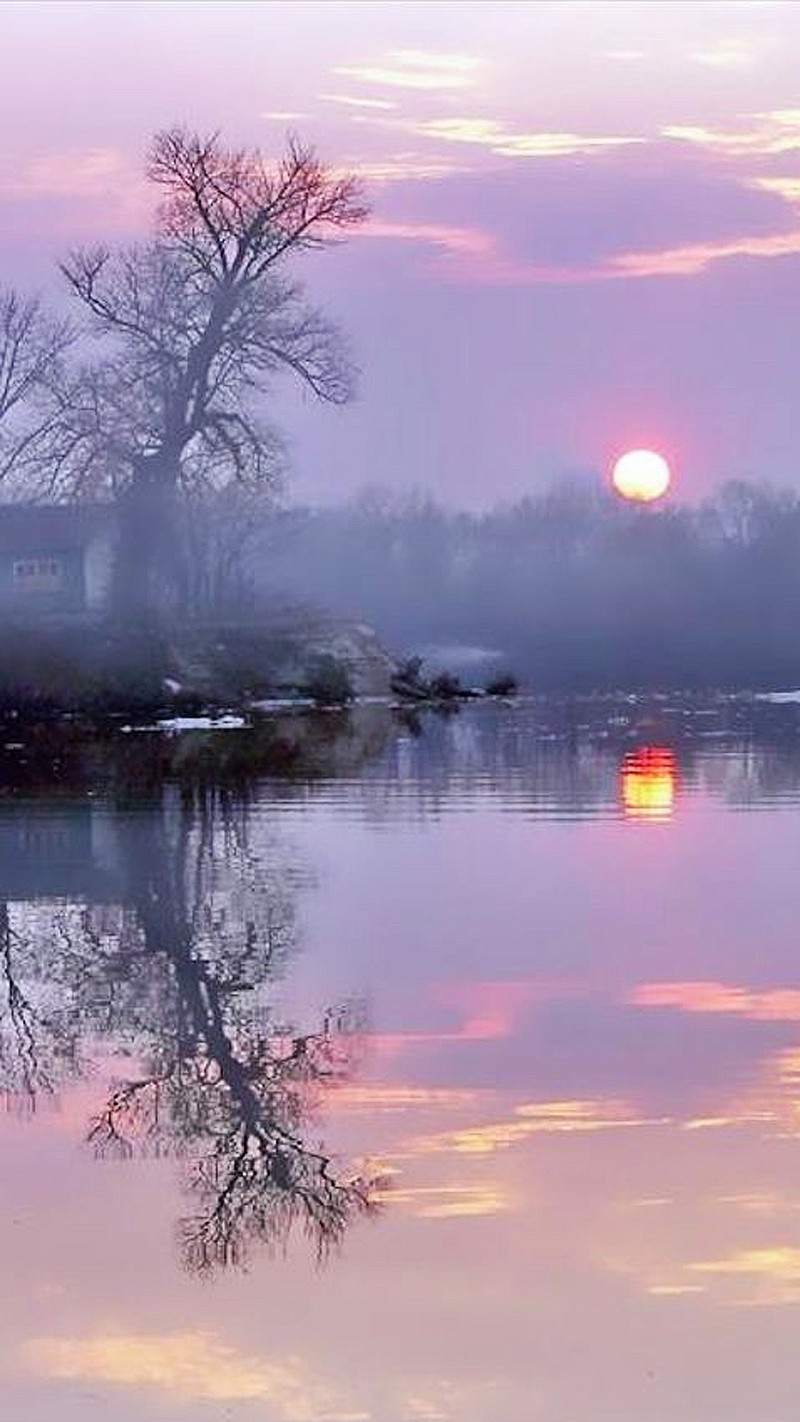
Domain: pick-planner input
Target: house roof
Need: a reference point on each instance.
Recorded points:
(46, 527)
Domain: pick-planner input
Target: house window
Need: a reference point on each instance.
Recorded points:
(37, 575)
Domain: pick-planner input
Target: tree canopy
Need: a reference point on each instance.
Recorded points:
(195, 322)
(183, 334)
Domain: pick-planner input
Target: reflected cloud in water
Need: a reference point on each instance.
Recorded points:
(189, 1367)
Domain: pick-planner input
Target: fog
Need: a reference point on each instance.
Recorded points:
(571, 588)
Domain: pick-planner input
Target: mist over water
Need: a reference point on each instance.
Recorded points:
(571, 588)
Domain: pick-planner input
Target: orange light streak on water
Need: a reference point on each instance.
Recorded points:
(648, 779)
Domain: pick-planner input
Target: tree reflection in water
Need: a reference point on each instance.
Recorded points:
(174, 977)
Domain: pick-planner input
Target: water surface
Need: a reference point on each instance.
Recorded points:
(445, 1069)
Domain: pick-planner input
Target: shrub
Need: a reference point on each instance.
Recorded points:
(502, 686)
(410, 671)
(329, 683)
(445, 686)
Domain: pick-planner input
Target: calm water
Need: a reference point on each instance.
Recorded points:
(452, 1072)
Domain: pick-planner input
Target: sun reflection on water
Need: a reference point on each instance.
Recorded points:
(647, 781)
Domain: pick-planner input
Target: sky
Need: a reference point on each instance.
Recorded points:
(584, 231)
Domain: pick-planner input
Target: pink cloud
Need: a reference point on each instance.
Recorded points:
(696, 257)
(470, 241)
(769, 1005)
(659, 211)
(489, 1011)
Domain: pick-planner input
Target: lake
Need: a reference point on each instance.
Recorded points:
(435, 1068)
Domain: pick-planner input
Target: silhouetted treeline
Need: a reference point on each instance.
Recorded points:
(570, 588)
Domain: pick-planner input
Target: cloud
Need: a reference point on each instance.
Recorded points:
(483, 261)
(492, 1007)
(772, 132)
(769, 1005)
(636, 213)
(763, 1203)
(779, 1262)
(191, 1366)
(381, 1098)
(439, 1202)
(462, 240)
(674, 1290)
(775, 1272)
(510, 143)
(769, 1102)
(786, 188)
(355, 102)
(770, 1274)
(89, 172)
(400, 168)
(649, 1202)
(488, 1010)
(416, 69)
(696, 256)
(535, 1118)
(741, 1116)
(438, 1400)
(421, 1408)
(787, 1067)
(727, 55)
(66, 193)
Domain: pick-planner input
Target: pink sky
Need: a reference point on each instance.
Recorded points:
(586, 217)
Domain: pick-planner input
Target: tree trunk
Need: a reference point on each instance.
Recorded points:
(149, 575)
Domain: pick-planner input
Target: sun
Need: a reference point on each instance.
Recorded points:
(642, 475)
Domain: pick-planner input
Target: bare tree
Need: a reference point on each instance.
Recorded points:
(33, 345)
(193, 326)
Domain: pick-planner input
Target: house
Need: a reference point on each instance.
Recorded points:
(56, 560)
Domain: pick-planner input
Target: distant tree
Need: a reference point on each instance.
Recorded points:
(192, 325)
(223, 532)
(33, 345)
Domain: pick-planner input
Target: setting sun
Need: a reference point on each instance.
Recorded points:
(641, 474)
